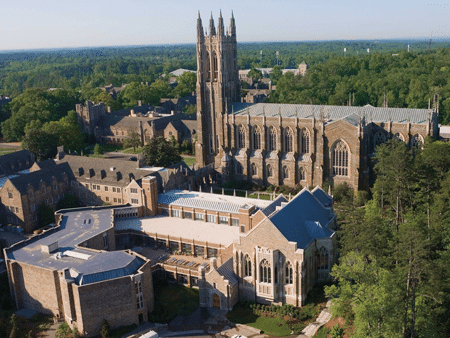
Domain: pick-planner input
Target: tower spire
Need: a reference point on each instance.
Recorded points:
(212, 28)
(220, 28)
(232, 25)
(199, 26)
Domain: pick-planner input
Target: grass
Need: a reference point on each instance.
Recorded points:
(131, 151)
(190, 161)
(269, 325)
(173, 300)
(4, 151)
(261, 196)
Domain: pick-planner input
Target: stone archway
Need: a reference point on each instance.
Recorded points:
(216, 300)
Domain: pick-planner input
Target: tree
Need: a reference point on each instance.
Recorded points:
(69, 201)
(337, 331)
(98, 150)
(133, 139)
(190, 109)
(42, 144)
(15, 330)
(105, 331)
(276, 74)
(45, 215)
(255, 74)
(186, 84)
(67, 131)
(159, 152)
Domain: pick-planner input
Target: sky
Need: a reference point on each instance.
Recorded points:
(42, 24)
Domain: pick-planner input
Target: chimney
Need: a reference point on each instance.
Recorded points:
(139, 103)
(214, 263)
(172, 112)
(108, 109)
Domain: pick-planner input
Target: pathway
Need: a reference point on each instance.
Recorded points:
(323, 318)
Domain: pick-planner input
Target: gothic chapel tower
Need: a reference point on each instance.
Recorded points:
(217, 86)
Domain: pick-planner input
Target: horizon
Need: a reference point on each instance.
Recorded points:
(48, 25)
(437, 39)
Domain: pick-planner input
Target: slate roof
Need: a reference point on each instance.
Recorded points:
(333, 113)
(105, 170)
(77, 226)
(273, 206)
(21, 182)
(226, 270)
(213, 202)
(303, 219)
(323, 197)
(17, 159)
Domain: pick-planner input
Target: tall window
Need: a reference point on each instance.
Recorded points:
(301, 174)
(285, 172)
(247, 266)
(269, 169)
(208, 67)
(239, 169)
(289, 275)
(254, 169)
(323, 258)
(304, 141)
(215, 66)
(288, 140)
(272, 139)
(256, 138)
(340, 157)
(417, 141)
(241, 137)
(265, 273)
(378, 139)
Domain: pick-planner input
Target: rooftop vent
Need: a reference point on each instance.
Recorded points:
(49, 248)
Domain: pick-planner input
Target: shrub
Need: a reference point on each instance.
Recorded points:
(361, 198)
(337, 331)
(343, 193)
(75, 333)
(105, 329)
(63, 330)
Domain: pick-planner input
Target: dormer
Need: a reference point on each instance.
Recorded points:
(80, 172)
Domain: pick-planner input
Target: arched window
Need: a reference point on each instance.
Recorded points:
(265, 272)
(289, 274)
(239, 169)
(399, 137)
(301, 174)
(323, 258)
(215, 66)
(417, 141)
(288, 140)
(304, 141)
(272, 139)
(340, 155)
(208, 67)
(254, 169)
(247, 266)
(378, 139)
(285, 172)
(256, 138)
(269, 169)
(241, 137)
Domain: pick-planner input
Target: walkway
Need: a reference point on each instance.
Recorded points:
(323, 318)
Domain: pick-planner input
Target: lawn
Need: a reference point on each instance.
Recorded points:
(4, 151)
(269, 325)
(261, 196)
(190, 161)
(132, 151)
(173, 300)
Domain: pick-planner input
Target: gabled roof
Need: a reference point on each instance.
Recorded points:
(303, 219)
(21, 182)
(14, 162)
(322, 196)
(226, 270)
(273, 206)
(104, 170)
(332, 113)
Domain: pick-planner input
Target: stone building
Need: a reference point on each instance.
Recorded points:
(289, 144)
(74, 273)
(21, 195)
(146, 120)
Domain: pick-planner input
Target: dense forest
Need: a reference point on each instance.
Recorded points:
(394, 268)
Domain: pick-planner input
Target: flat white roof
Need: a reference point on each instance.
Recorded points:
(208, 201)
(181, 227)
